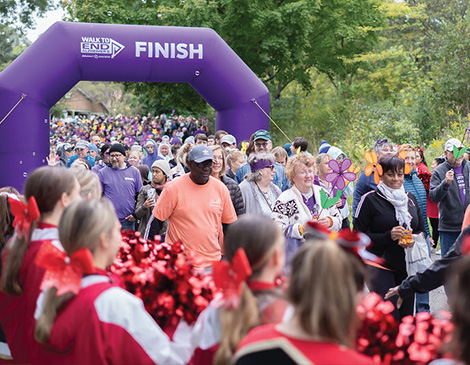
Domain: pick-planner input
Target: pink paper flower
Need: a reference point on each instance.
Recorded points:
(340, 173)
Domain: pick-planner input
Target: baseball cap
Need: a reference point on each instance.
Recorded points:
(81, 144)
(228, 138)
(200, 153)
(449, 146)
(262, 134)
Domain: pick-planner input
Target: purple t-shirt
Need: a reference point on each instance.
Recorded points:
(460, 182)
(121, 186)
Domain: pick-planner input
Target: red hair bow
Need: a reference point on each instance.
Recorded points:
(229, 277)
(63, 272)
(24, 214)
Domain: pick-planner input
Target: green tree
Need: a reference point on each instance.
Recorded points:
(281, 41)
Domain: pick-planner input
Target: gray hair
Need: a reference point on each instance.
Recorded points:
(256, 176)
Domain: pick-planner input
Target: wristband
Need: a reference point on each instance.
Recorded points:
(331, 221)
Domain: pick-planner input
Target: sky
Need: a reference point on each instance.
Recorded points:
(42, 24)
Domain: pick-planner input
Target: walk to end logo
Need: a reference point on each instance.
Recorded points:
(100, 47)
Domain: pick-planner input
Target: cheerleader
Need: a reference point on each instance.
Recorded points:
(254, 244)
(324, 289)
(83, 317)
(48, 190)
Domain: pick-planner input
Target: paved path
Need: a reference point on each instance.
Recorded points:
(437, 298)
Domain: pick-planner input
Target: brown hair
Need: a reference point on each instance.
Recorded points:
(258, 236)
(47, 184)
(80, 226)
(6, 218)
(323, 287)
(302, 159)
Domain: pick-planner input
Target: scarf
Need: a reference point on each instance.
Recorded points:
(399, 199)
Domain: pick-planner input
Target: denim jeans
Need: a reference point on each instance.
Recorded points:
(125, 225)
(447, 240)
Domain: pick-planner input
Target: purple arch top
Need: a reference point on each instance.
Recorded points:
(70, 52)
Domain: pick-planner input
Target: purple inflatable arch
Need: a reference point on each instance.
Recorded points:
(69, 52)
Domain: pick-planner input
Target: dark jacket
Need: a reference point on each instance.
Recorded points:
(375, 216)
(451, 209)
(364, 184)
(235, 195)
(434, 276)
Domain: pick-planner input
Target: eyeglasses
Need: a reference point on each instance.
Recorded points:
(115, 156)
(262, 144)
(79, 149)
(270, 167)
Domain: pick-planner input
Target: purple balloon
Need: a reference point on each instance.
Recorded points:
(70, 52)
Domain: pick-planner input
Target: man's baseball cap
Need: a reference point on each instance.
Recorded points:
(200, 153)
(228, 138)
(262, 134)
(449, 146)
(81, 144)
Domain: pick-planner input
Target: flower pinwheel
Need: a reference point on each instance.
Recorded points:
(340, 173)
(373, 167)
(402, 155)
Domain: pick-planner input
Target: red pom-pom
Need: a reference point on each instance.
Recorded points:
(416, 340)
(163, 278)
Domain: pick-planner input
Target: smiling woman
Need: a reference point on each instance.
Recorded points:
(385, 215)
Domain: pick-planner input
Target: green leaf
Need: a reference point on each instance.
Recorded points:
(329, 202)
(458, 152)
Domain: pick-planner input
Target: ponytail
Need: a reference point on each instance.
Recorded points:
(14, 258)
(236, 323)
(52, 304)
(47, 185)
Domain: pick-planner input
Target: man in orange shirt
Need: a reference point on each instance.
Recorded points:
(196, 206)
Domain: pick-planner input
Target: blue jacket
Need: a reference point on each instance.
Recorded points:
(280, 178)
(150, 159)
(413, 184)
(364, 184)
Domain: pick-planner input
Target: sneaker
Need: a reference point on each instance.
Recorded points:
(438, 252)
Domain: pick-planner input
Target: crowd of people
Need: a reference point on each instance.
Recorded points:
(169, 176)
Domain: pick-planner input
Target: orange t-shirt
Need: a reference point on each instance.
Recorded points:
(195, 215)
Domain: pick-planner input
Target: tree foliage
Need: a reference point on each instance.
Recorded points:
(281, 41)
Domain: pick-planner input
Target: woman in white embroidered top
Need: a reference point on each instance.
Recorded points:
(258, 190)
(301, 203)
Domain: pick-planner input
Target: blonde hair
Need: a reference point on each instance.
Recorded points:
(90, 186)
(407, 147)
(234, 155)
(301, 159)
(182, 154)
(81, 226)
(258, 236)
(323, 288)
(217, 147)
(47, 184)
(280, 152)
